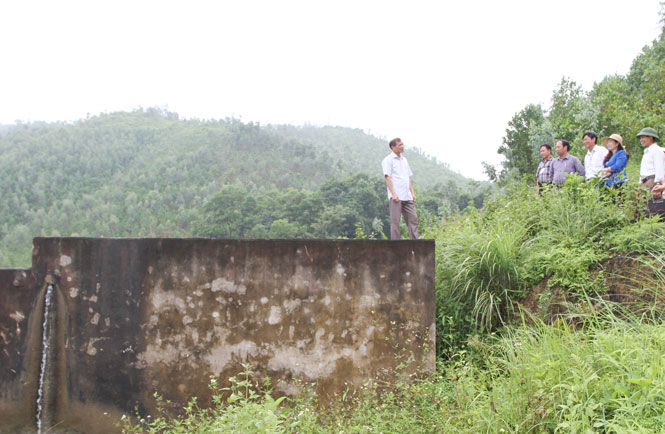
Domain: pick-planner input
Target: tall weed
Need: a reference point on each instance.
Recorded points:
(486, 261)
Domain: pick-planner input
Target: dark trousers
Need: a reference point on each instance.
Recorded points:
(541, 187)
(407, 209)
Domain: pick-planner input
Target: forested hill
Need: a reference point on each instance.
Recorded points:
(363, 153)
(149, 173)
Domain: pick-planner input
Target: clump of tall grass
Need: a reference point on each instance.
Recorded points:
(580, 212)
(485, 262)
(608, 378)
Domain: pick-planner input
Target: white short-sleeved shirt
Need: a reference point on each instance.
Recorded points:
(593, 161)
(399, 171)
(653, 163)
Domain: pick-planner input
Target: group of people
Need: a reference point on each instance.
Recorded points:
(607, 162)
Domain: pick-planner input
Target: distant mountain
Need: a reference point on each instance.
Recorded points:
(150, 173)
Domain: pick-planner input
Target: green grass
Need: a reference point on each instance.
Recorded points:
(555, 378)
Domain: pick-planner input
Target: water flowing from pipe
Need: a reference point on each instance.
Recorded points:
(42, 374)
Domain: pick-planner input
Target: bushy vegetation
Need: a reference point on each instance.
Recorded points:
(488, 259)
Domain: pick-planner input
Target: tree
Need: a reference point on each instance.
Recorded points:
(617, 110)
(337, 221)
(282, 228)
(571, 113)
(223, 215)
(521, 154)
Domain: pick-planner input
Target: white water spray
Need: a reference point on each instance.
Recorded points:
(42, 375)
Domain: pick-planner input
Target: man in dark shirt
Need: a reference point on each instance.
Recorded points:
(544, 173)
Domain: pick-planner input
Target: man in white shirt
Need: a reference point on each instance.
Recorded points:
(652, 169)
(402, 199)
(595, 157)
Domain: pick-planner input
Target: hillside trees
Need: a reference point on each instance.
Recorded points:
(617, 108)
(331, 212)
(150, 173)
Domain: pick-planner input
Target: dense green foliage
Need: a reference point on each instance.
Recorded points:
(332, 211)
(149, 173)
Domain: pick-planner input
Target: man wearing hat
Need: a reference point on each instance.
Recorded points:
(652, 169)
(593, 160)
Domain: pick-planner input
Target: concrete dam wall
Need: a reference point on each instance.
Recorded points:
(96, 326)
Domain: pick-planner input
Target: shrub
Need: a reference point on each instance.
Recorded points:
(568, 267)
(580, 212)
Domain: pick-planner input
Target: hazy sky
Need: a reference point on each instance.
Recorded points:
(445, 76)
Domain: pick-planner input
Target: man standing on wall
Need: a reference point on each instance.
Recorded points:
(593, 160)
(565, 163)
(402, 199)
(652, 169)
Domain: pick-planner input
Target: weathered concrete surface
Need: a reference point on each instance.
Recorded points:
(146, 315)
(18, 296)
